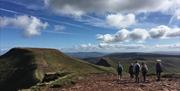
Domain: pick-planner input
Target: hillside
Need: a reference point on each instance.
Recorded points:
(170, 62)
(25, 67)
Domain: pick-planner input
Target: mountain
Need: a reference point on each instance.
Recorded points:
(83, 55)
(22, 68)
(139, 54)
(168, 52)
(104, 62)
(170, 62)
(26, 67)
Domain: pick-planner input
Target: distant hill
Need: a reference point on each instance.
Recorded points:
(25, 67)
(139, 54)
(83, 55)
(170, 62)
(104, 62)
(168, 52)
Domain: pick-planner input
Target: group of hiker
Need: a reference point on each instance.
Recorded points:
(135, 70)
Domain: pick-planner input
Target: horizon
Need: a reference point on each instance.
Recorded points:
(106, 53)
(109, 26)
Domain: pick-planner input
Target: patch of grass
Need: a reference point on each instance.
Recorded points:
(39, 75)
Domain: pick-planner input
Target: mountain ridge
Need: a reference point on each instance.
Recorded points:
(25, 67)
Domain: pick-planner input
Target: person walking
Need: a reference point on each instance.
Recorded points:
(158, 69)
(136, 69)
(119, 70)
(144, 70)
(131, 73)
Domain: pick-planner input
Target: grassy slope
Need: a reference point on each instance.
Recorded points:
(24, 67)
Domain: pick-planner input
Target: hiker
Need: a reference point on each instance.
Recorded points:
(158, 69)
(119, 70)
(131, 73)
(144, 70)
(136, 70)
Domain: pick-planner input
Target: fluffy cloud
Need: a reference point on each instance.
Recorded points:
(163, 31)
(113, 11)
(30, 24)
(106, 37)
(123, 35)
(119, 36)
(175, 32)
(120, 21)
(159, 31)
(80, 7)
(138, 34)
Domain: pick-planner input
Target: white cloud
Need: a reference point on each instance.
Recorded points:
(120, 21)
(175, 32)
(171, 7)
(113, 11)
(105, 38)
(125, 35)
(104, 47)
(174, 46)
(119, 36)
(177, 14)
(93, 21)
(140, 35)
(163, 31)
(82, 47)
(59, 28)
(88, 46)
(80, 7)
(30, 24)
(159, 31)
(121, 47)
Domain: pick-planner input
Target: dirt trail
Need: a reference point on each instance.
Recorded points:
(106, 82)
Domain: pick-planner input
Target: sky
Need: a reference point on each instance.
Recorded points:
(91, 25)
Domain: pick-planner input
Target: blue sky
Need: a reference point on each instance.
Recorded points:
(81, 25)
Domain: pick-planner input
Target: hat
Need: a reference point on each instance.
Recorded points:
(158, 60)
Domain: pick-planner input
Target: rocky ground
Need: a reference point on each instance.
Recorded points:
(107, 82)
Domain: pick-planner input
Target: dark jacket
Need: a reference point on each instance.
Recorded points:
(131, 69)
(158, 67)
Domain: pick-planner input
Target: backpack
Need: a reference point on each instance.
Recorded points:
(144, 69)
(137, 68)
(119, 68)
(158, 67)
(131, 69)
